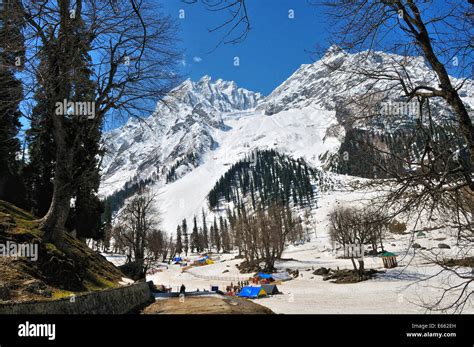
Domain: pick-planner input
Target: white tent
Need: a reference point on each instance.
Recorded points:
(282, 276)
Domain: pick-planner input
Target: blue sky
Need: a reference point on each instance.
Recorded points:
(275, 47)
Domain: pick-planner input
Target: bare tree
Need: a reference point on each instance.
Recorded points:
(263, 234)
(169, 249)
(133, 59)
(159, 246)
(433, 175)
(236, 27)
(138, 221)
(348, 228)
(377, 225)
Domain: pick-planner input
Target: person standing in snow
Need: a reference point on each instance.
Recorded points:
(182, 290)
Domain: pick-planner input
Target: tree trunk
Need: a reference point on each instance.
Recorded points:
(354, 264)
(450, 94)
(53, 223)
(374, 246)
(361, 268)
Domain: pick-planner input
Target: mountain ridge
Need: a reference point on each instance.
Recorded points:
(207, 125)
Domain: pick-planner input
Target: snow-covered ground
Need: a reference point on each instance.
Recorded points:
(219, 124)
(398, 290)
(392, 292)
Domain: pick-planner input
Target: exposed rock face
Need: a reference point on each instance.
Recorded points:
(181, 125)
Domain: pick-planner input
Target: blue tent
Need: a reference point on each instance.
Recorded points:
(177, 259)
(252, 292)
(264, 276)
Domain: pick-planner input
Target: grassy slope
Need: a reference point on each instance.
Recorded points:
(53, 266)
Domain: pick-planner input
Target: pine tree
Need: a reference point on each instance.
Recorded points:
(12, 54)
(238, 228)
(205, 232)
(39, 172)
(179, 242)
(201, 240)
(232, 227)
(274, 177)
(107, 225)
(211, 239)
(184, 229)
(225, 234)
(85, 217)
(216, 239)
(195, 238)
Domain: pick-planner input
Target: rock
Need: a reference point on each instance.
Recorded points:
(294, 273)
(416, 245)
(321, 271)
(443, 245)
(160, 288)
(4, 292)
(225, 271)
(393, 245)
(133, 270)
(38, 287)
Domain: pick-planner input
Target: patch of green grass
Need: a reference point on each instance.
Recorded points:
(20, 226)
(11, 209)
(18, 222)
(99, 283)
(61, 294)
(52, 249)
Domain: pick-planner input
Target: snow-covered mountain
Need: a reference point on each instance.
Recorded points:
(180, 128)
(339, 75)
(203, 127)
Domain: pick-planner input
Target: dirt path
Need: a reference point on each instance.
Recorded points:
(206, 305)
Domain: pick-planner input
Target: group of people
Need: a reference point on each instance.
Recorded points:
(230, 290)
(235, 289)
